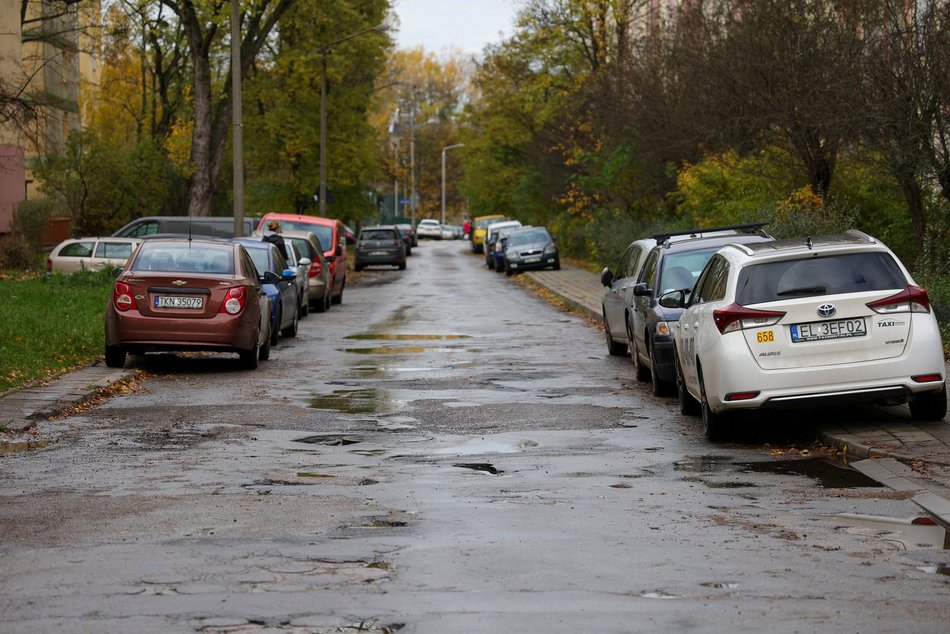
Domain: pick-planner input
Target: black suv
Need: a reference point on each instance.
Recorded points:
(673, 265)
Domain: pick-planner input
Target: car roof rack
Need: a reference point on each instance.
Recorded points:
(750, 227)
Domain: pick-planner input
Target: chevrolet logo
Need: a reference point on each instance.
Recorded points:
(179, 282)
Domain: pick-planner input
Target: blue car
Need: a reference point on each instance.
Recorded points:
(279, 283)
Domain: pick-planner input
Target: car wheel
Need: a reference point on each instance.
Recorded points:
(264, 352)
(508, 270)
(338, 299)
(557, 264)
(250, 358)
(408, 252)
(930, 405)
(639, 370)
(402, 266)
(275, 330)
(291, 330)
(305, 306)
(688, 405)
(115, 356)
(614, 348)
(660, 387)
(358, 267)
(712, 422)
(322, 304)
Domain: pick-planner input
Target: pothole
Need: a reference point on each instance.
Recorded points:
(484, 467)
(331, 440)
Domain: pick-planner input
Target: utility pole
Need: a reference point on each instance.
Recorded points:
(444, 150)
(237, 130)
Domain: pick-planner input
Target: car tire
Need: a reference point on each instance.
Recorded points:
(402, 266)
(688, 405)
(639, 370)
(660, 387)
(323, 304)
(712, 423)
(275, 330)
(305, 307)
(358, 267)
(557, 264)
(291, 330)
(263, 353)
(115, 356)
(614, 348)
(508, 270)
(929, 406)
(250, 358)
(338, 299)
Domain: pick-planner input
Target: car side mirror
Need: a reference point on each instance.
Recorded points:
(642, 290)
(117, 271)
(306, 261)
(288, 274)
(269, 277)
(339, 250)
(606, 277)
(673, 299)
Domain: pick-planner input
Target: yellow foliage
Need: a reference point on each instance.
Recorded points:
(179, 148)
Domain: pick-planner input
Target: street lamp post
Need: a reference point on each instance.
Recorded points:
(444, 150)
(325, 53)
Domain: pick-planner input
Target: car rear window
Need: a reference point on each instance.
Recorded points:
(185, 258)
(377, 234)
(822, 275)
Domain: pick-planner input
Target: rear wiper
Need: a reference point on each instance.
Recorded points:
(805, 290)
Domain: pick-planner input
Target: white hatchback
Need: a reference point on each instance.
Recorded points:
(429, 228)
(807, 322)
(90, 254)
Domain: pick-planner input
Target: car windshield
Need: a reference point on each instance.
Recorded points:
(185, 257)
(528, 237)
(304, 247)
(680, 270)
(323, 232)
(818, 275)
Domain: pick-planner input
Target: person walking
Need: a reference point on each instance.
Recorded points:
(273, 236)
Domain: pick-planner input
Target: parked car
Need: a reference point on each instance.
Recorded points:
(309, 246)
(332, 235)
(280, 285)
(480, 228)
(90, 254)
(448, 232)
(429, 228)
(806, 323)
(181, 294)
(528, 248)
(300, 266)
(491, 239)
(382, 244)
(211, 226)
(408, 236)
(670, 265)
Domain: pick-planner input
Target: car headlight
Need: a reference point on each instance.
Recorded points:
(550, 249)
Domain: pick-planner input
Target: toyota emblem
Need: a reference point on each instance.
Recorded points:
(827, 310)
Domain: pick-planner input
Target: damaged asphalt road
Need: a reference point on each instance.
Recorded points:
(444, 452)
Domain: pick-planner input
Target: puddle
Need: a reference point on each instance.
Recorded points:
(828, 474)
(658, 595)
(722, 585)
(703, 464)
(361, 401)
(936, 569)
(395, 350)
(479, 466)
(901, 533)
(18, 446)
(712, 484)
(620, 486)
(483, 446)
(332, 440)
(369, 452)
(308, 474)
(402, 337)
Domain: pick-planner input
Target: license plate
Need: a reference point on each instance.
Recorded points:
(819, 330)
(378, 253)
(532, 260)
(178, 301)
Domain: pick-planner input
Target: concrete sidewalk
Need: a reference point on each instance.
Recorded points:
(903, 439)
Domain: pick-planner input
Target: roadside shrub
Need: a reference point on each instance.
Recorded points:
(22, 248)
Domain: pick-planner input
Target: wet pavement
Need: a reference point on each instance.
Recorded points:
(446, 452)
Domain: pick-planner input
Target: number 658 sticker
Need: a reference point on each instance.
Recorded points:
(765, 336)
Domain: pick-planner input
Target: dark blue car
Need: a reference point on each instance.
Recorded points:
(278, 281)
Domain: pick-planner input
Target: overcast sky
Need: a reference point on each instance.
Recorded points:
(465, 24)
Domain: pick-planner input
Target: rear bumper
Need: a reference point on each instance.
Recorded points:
(391, 258)
(222, 332)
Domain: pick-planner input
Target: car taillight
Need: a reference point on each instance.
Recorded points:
(122, 297)
(910, 300)
(49, 265)
(234, 301)
(736, 317)
(316, 268)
